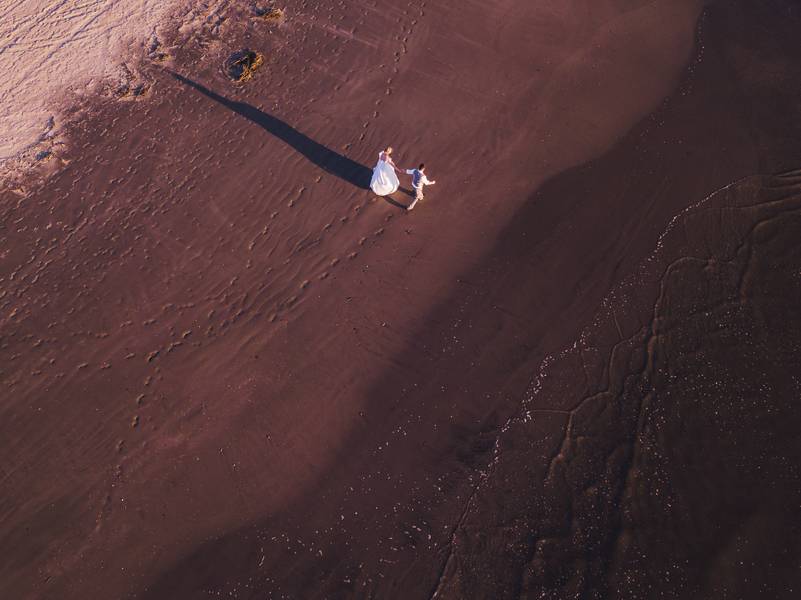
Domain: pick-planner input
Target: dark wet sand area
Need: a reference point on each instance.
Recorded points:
(228, 369)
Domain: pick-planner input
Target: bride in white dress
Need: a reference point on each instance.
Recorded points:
(385, 180)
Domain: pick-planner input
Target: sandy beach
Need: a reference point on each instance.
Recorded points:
(230, 370)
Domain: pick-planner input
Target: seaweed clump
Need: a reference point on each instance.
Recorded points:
(241, 65)
(270, 14)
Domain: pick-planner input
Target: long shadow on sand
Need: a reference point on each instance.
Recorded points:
(395, 203)
(325, 158)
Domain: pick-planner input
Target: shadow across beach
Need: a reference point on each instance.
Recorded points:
(390, 200)
(341, 166)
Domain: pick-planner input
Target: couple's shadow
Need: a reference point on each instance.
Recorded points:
(332, 162)
(393, 202)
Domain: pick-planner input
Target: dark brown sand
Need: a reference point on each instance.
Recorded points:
(229, 370)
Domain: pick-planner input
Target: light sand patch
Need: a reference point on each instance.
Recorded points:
(51, 46)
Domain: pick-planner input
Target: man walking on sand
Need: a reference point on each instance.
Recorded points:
(419, 180)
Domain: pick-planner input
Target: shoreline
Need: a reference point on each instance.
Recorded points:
(285, 326)
(468, 449)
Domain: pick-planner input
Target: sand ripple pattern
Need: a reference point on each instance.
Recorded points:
(48, 46)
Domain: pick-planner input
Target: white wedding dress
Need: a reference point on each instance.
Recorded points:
(385, 181)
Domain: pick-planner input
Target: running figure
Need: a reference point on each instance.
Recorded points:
(419, 180)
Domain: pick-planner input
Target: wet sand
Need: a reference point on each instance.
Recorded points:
(232, 370)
